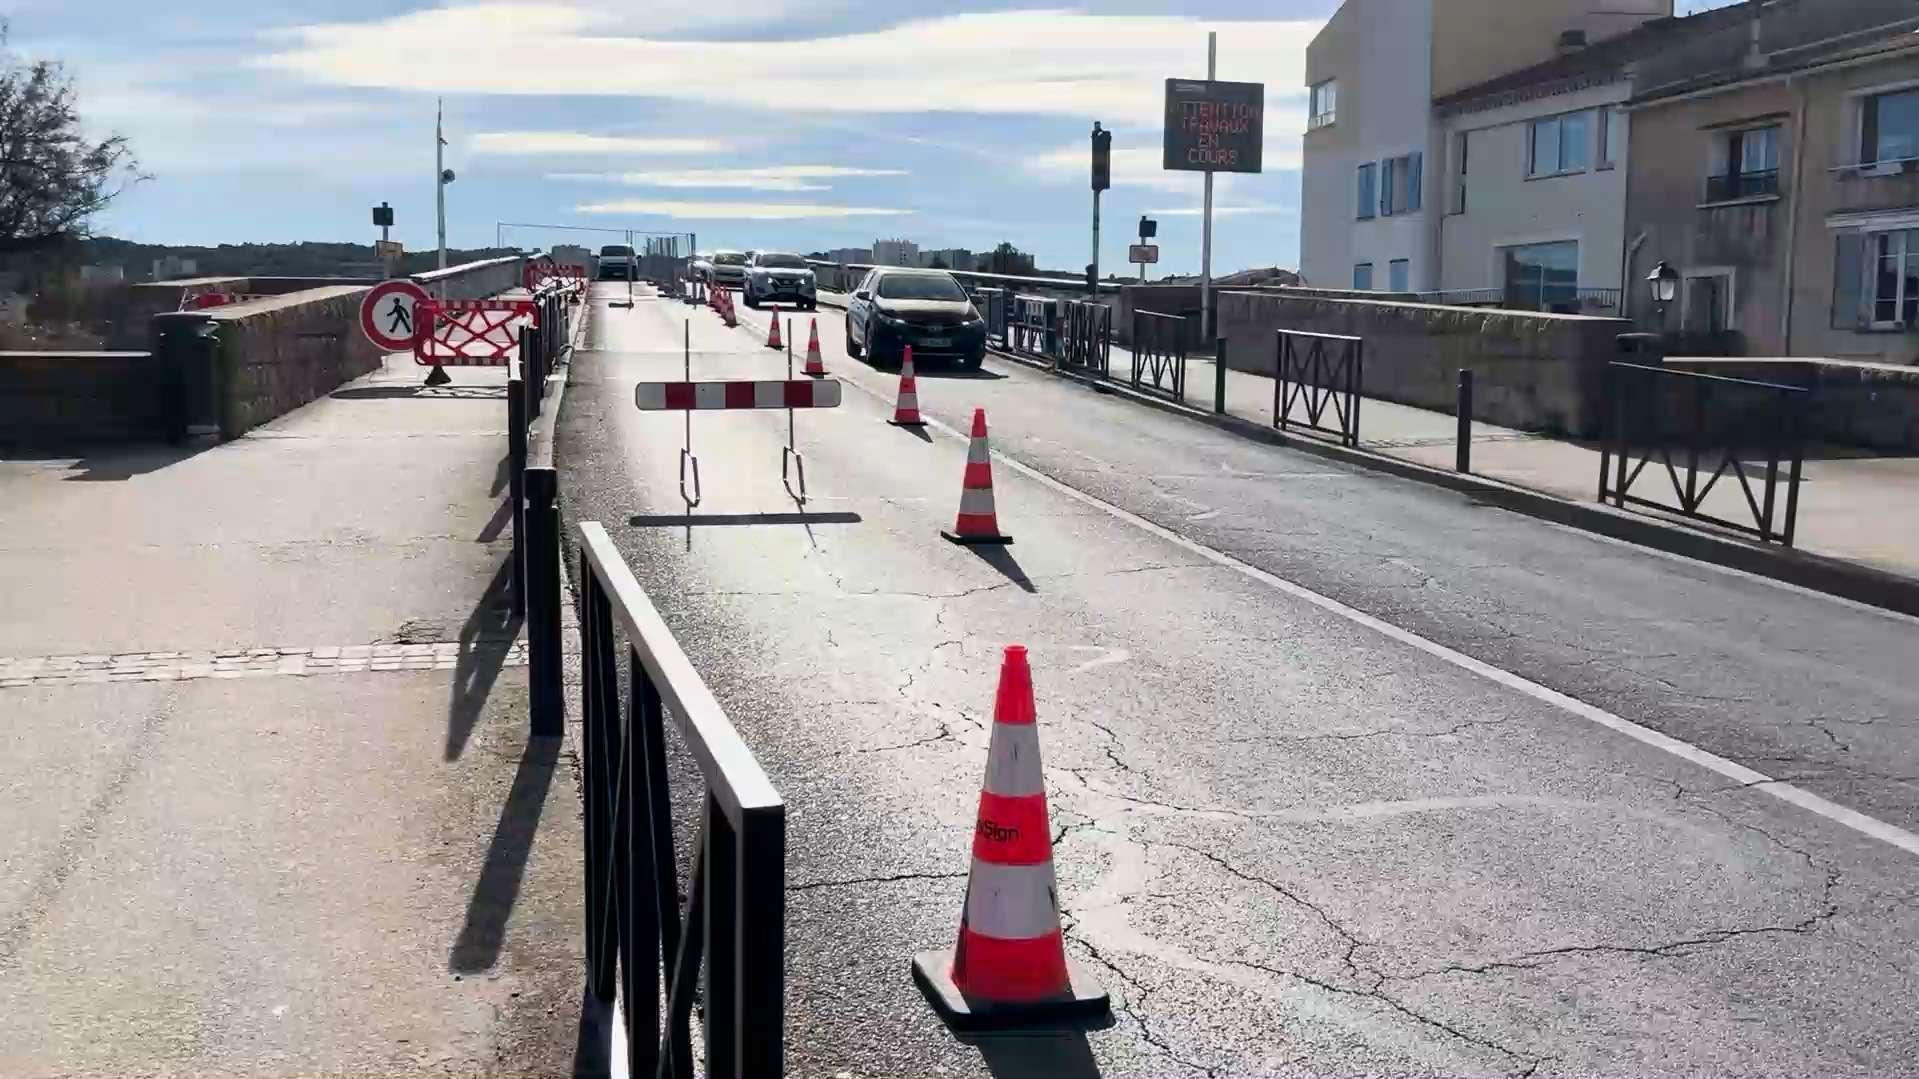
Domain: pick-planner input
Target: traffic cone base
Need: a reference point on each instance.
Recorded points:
(933, 970)
(976, 540)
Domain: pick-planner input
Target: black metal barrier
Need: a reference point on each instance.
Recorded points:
(1716, 425)
(1159, 353)
(1327, 374)
(1033, 327)
(1086, 338)
(734, 921)
(533, 488)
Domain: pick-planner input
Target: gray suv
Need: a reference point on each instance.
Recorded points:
(775, 275)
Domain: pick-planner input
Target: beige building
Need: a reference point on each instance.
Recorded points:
(1775, 168)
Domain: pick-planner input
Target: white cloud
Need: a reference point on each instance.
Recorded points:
(1139, 166)
(735, 211)
(764, 178)
(1049, 62)
(580, 142)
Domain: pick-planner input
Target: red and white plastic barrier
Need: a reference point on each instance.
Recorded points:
(716, 396)
(469, 333)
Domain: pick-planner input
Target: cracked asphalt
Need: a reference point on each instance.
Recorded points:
(1290, 844)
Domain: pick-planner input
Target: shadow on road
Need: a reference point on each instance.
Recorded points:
(425, 393)
(919, 433)
(116, 463)
(1038, 1053)
(1001, 558)
(958, 372)
(484, 640)
(729, 520)
(497, 523)
(494, 894)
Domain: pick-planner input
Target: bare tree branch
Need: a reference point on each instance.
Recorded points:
(53, 179)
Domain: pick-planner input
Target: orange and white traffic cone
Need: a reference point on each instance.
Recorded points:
(1009, 965)
(726, 310)
(773, 334)
(906, 413)
(978, 522)
(814, 365)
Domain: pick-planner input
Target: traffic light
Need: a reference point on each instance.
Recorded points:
(383, 215)
(1102, 158)
(1148, 228)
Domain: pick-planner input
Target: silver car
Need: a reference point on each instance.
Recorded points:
(776, 275)
(729, 269)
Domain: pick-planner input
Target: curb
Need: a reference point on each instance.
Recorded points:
(1847, 580)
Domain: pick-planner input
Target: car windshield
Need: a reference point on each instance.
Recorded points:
(729, 258)
(920, 287)
(615, 249)
(783, 262)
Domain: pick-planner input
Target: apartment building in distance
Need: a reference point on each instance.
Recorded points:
(1371, 207)
(1776, 172)
(896, 253)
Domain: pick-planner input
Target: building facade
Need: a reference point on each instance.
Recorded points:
(1379, 157)
(896, 253)
(1776, 172)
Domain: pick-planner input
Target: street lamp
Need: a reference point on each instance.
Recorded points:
(1664, 282)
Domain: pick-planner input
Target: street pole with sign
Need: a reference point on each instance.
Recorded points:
(1148, 228)
(1213, 126)
(1206, 213)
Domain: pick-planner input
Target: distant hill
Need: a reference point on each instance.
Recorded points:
(264, 260)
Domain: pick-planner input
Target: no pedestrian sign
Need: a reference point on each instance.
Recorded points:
(387, 314)
(1214, 126)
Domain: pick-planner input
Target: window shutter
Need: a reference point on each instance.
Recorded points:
(1415, 169)
(1849, 283)
(1386, 188)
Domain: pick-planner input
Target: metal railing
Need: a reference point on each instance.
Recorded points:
(992, 304)
(1033, 326)
(1159, 353)
(1742, 185)
(534, 490)
(1328, 373)
(1086, 338)
(842, 276)
(734, 921)
(1701, 428)
(1534, 299)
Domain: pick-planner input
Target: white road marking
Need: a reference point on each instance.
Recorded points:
(1784, 791)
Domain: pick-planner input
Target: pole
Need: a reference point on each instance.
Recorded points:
(1095, 281)
(1463, 453)
(439, 171)
(1206, 228)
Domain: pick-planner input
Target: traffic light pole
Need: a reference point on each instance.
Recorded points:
(1094, 283)
(1206, 229)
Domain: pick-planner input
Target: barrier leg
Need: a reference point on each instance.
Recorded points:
(543, 601)
(1219, 377)
(516, 485)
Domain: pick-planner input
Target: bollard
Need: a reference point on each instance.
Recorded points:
(544, 687)
(1463, 459)
(534, 349)
(516, 484)
(1219, 376)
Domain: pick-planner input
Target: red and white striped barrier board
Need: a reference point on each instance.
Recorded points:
(469, 333)
(705, 396)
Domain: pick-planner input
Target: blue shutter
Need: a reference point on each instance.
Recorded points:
(1365, 191)
(1386, 188)
(1415, 165)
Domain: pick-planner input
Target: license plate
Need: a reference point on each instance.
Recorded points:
(937, 342)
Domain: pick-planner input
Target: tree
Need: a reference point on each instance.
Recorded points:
(53, 179)
(938, 263)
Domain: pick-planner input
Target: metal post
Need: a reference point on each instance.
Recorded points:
(1463, 456)
(516, 484)
(543, 602)
(439, 172)
(1219, 376)
(723, 1029)
(1206, 228)
(1094, 282)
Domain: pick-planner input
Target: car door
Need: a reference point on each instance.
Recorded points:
(862, 309)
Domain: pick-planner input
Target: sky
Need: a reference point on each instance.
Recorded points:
(797, 124)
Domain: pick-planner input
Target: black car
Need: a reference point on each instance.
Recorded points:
(893, 308)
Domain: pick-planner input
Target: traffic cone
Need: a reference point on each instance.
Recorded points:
(907, 412)
(977, 522)
(1009, 964)
(773, 334)
(726, 309)
(814, 365)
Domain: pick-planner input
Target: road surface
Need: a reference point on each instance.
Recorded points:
(1349, 775)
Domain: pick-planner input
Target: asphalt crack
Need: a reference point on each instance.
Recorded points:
(895, 878)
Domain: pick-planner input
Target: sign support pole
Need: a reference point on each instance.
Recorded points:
(439, 173)
(1206, 227)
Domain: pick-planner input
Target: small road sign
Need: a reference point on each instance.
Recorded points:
(387, 314)
(388, 249)
(1143, 254)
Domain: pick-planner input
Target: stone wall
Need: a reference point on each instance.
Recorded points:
(62, 398)
(1853, 403)
(279, 353)
(1536, 372)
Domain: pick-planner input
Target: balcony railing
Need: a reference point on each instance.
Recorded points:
(1742, 185)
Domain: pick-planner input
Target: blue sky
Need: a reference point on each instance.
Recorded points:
(804, 124)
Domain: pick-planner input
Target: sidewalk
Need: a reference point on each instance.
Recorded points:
(272, 804)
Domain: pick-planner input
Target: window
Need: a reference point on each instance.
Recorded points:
(1461, 146)
(780, 261)
(1324, 98)
(1363, 276)
(1541, 277)
(1745, 164)
(1612, 136)
(1889, 128)
(920, 286)
(1895, 278)
(1708, 303)
(1399, 274)
(1560, 144)
(1399, 181)
(1367, 192)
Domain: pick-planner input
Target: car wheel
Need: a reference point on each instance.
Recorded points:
(747, 295)
(853, 348)
(973, 361)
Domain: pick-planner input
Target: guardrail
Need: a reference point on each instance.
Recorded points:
(1086, 337)
(1715, 423)
(733, 922)
(844, 275)
(1329, 373)
(1159, 353)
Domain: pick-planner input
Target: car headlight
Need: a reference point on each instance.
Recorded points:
(891, 320)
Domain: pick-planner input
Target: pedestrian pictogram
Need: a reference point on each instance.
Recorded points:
(388, 314)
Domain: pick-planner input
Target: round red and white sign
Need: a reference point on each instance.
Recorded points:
(386, 314)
